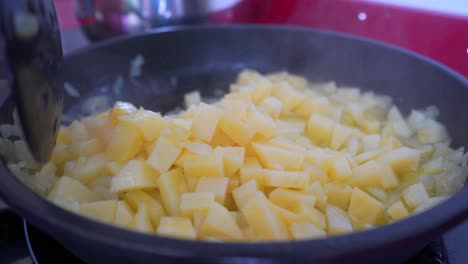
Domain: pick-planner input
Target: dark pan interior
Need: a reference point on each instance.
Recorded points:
(208, 58)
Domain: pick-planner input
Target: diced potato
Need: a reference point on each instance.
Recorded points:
(178, 227)
(286, 179)
(397, 211)
(371, 142)
(233, 158)
(286, 215)
(308, 213)
(149, 123)
(220, 224)
(233, 182)
(290, 199)
(216, 186)
(125, 144)
(205, 121)
(250, 171)
(320, 128)
(171, 186)
(236, 129)
(192, 98)
(239, 218)
(401, 159)
(340, 136)
(123, 214)
(101, 186)
(164, 154)
(87, 147)
(338, 168)
(434, 166)
(337, 221)
(210, 165)
(309, 106)
(316, 189)
(120, 109)
(289, 96)
(103, 211)
(262, 123)
(367, 174)
(86, 169)
(243, 193)
(315, 173)
(431, 131)
(364, 209)
(199, 201)
(415, 195)
(137, 174)
(78, 132)
(306, 230)
(68, 190)
(263, 221)
(278, 158)
(338, 194)
(388, 178)
(141, 220)
(221, 139)
(98, 127)
(272, 106)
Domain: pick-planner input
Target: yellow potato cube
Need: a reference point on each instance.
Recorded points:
(125, 144)
(367, 174)
(290, 199)
(136, 174)
(219, 138)
(287, 216)
(178, 227)
(103, 211)
(78, 132)
(305, 212)
(220, 224)
(172, 185)
(337, 221)
(338, 168)
(313, 105)
(277, 158)
(306, 230)
(236, 129)
(68, 190)
(210, 165)
(217, 186)
(87, 147)
(164, 154)
(120, 109)
(141, 221)
(338, 194)
(86, 169)
(397, 211)
(320, 128)
(388, 178)
(205, 121)
(315, 173)
(239, 218)
(262, 123)
(63, 136)
(98, 127)
(243, 193)
(340, 136)
(154, 209)
(199, 201)
(101, 186)
(263, 221)
(286, 179)
(415, 195)
(150, 124)
(365, 209)
(401, 159)
(289, 96)
(123, 214)
(318, 157)
(233, 182)
(272, 106)
(316, 189)
(434, 166)
(233, 158)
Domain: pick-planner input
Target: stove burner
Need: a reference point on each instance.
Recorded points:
(41, 245)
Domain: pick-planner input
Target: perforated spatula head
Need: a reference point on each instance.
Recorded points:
(34, 55)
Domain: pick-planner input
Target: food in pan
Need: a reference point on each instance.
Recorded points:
(277, 158)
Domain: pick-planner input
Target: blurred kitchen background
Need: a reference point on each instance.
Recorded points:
(435, 28)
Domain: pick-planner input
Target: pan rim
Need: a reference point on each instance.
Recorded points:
(32, 206)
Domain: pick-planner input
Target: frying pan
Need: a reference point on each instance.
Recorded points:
(208, 58)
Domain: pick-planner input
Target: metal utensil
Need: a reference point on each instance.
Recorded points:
(34, 56)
